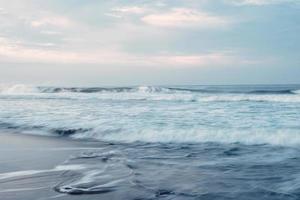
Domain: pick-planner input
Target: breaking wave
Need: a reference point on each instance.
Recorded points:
(154, 93)
(285, 138)
(194, 135)
(29, 89)
(18, 89)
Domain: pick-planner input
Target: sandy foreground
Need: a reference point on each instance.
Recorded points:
(31, 166)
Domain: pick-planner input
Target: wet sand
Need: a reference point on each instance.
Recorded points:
(28, 166)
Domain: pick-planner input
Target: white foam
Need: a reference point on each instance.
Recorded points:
(69, 167)
(151, 89)
(33, 172)
(21, 173)
(296, 91)
(131, 121)
(284, 138)
(248, 97)
(18, 89)
(186, 97)
(21, 189)
(150, 93)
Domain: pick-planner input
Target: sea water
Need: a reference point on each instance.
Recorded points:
(169, 142)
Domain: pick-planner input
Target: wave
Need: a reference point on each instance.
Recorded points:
(27, 89)
(249, 137)
(82, 90)
(220, 91)
(43, 130)
(68, 132)
(152, 89)
(296, 91)
(148, 93)
(144, 93)
(30, 89)
(250, 98)
(18, 89)
(287, 137)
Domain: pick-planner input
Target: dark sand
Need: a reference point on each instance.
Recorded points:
(27, 163)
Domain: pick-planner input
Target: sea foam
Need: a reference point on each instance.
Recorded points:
(249, 137)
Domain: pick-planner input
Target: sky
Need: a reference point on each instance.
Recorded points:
(149, 42)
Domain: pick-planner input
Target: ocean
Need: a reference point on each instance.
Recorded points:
(168, 142)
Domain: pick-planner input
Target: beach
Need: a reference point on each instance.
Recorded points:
(31, 166)
(38, 167)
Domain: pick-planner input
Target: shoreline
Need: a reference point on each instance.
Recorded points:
(31, 166)
(44, 168)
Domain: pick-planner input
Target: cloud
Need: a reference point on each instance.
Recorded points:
(2, 11)
(130, 10)
(56, 21)
(16, 52)
(50, 32)
(259, 2)
(121, 12)
(184, 17)
(209, 59)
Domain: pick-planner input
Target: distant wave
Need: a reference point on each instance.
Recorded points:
(82, 90)
(18, 89)
(142, 89)
(150, 93)
(29, 89)
(152, 89)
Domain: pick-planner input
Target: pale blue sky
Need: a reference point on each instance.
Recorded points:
(135, 42)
